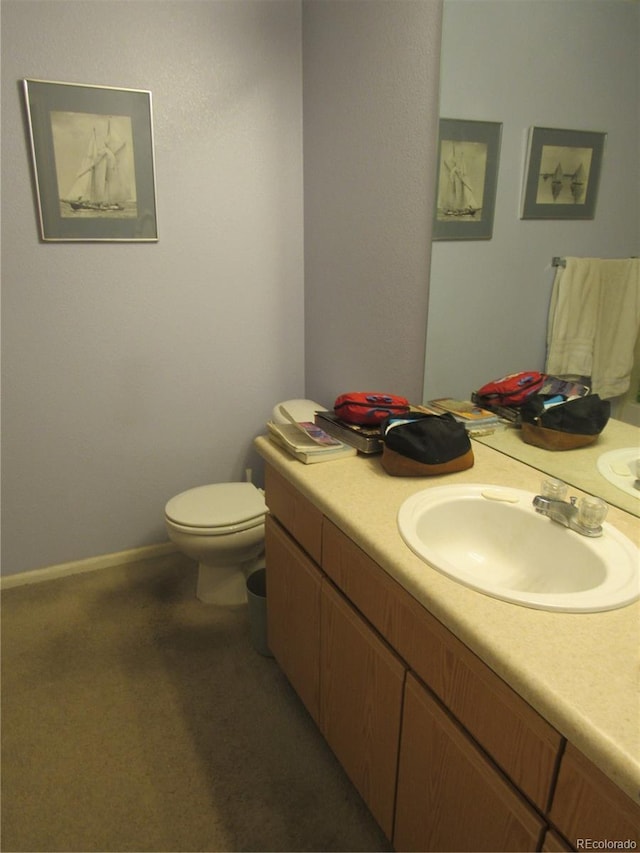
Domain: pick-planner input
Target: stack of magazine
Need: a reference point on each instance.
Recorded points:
(308, 442)
(366, 439)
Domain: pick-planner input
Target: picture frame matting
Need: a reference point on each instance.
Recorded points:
(93, 161)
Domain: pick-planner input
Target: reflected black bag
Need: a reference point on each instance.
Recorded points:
(583, 416)
(564, 426)
(419, 445)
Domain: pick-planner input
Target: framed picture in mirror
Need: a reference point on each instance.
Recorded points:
(93, 161)
(562, 173)
(468, 154)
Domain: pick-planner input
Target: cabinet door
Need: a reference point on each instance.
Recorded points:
(450, 796)
(588, 805)
(360, 705)
(293, 613)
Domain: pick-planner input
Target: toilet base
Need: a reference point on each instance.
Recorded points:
(225, 586)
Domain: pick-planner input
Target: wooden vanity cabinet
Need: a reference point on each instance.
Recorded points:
(450, 796)
(293, 614)
(301, 518)
(361, 684)
(554, 843)
(349, 679)
(587, 804)
(445, 754)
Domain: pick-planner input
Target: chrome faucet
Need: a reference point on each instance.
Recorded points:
(585, 517)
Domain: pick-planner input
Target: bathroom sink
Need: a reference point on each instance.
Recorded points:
(622, 469)
(491, 538)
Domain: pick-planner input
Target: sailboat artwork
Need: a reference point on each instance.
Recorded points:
(567, 181)
(94, 165)
(460, 188)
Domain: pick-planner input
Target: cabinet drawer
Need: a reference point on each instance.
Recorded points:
(450, 796)
(519, 740)
(301, 518)
(293, 613)
(587, 804)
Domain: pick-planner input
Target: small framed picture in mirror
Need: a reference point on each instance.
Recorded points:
(562, 173)
(468, 153)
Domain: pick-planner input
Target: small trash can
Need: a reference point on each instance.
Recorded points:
(257, 600)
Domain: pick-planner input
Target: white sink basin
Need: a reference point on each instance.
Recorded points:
(491, 539)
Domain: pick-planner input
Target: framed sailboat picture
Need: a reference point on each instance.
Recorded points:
(93, 161)
(562, 173)
(468, 154)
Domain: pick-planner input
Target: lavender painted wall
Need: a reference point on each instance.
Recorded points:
(132, 372)
(371, 74)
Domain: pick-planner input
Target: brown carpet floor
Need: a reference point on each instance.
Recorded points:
(136, 718)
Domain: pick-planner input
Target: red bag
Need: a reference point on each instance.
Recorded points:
(511, 390)
(366, 407)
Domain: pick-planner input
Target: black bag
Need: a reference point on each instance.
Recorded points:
(419, 445)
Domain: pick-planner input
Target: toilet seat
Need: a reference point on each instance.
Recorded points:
(217, 509)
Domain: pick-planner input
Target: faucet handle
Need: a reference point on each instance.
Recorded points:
(554, 489)
(591, 512)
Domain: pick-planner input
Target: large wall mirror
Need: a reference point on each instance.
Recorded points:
(549, 64)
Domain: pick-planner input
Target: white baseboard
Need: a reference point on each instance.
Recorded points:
(91, 564)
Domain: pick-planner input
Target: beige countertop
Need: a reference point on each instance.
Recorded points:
(580, 671)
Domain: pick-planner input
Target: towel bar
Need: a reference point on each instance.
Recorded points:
(561, 262)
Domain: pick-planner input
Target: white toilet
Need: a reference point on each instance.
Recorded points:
(222, 527)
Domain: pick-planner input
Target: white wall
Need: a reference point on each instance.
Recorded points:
(548, 63)
(132, 372)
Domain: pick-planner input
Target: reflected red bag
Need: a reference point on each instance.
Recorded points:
(511, 390)
(368, 407)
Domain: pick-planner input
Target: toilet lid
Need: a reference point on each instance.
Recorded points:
(218, 505)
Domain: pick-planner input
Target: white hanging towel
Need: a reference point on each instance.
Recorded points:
(594, 319)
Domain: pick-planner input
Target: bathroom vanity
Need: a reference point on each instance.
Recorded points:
(465, 722)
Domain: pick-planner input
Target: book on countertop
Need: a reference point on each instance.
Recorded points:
(463, 410)
(366, 439)
(316, 434)
(298, 443)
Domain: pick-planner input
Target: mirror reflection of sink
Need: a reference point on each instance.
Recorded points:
(491, 538)
(622, 469)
